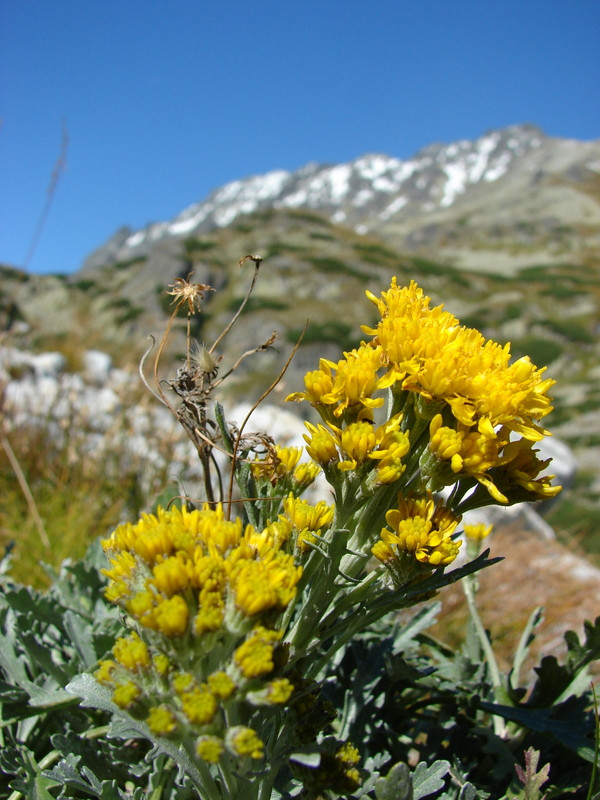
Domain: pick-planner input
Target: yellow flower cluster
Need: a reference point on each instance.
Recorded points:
(337, 772)
(426, 350)
(179, 571)
(484, 409)
(196, 583)
(176, 703)
(361, 445)
(347, 394)
(477, 532)
(283, 466)
(421, 529)
(306, 521)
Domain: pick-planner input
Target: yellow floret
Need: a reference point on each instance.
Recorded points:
(221, 685)
(255, 656)
(131, 652)
(244, 741)
(126, 694)
(210, 748)
(105, 670)
(171, 616)
(199, 705)
(161, 720)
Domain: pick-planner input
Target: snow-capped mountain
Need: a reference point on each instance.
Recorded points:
(389, 196)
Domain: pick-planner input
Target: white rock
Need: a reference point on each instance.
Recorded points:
(48, 364)
(283, 426)
(96, 366)
(522, 513)
(564, 463)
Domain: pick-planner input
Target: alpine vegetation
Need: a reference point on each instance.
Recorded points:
(251, 644)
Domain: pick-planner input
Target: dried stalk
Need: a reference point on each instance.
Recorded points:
(20, 476)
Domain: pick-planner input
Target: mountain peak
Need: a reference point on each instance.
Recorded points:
(370, 192)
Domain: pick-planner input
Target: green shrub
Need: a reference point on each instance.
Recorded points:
(333, 266)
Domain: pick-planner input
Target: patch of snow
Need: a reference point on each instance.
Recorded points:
(455, 185)
(158, 231)
(499, 169)
(298, 198)
(396, 205)
(362, 197)
(228, 192)
(339, 180)
(384, 184)
(339, 216)
(371, 167)
(269, 185)
(186, 225)
(224, 216)
(485, 146)
(135, 239)
(405, 170)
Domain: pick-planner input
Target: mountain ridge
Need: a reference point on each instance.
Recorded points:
(403, 200)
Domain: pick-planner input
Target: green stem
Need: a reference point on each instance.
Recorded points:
(468, 585)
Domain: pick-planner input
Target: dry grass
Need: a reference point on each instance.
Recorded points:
(75, 500)
(534, 572)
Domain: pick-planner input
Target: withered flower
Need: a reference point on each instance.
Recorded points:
(188, 293)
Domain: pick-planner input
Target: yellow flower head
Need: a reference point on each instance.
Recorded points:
(105, 671)
(356, 381)
(221, 685)
(243, 741)
(352, 387)
(261, 585)
(171, 616)
(255, 656)
(427, 351)
(393, 446)
(478, 531)
(199, 705)
(419, 528)
(282, 461)
(318, 383)
(210, 748)
(305, 474)
(303, 515)
(321, 444)
(174, 574)
(161, 720)
(445, 442)
(126, 694)
(131, 652)
(520, 471)
(357, 442)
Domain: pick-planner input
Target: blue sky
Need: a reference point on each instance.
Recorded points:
(166, 100)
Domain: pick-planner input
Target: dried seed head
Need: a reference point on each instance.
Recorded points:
(190, 294)
(203, 359)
